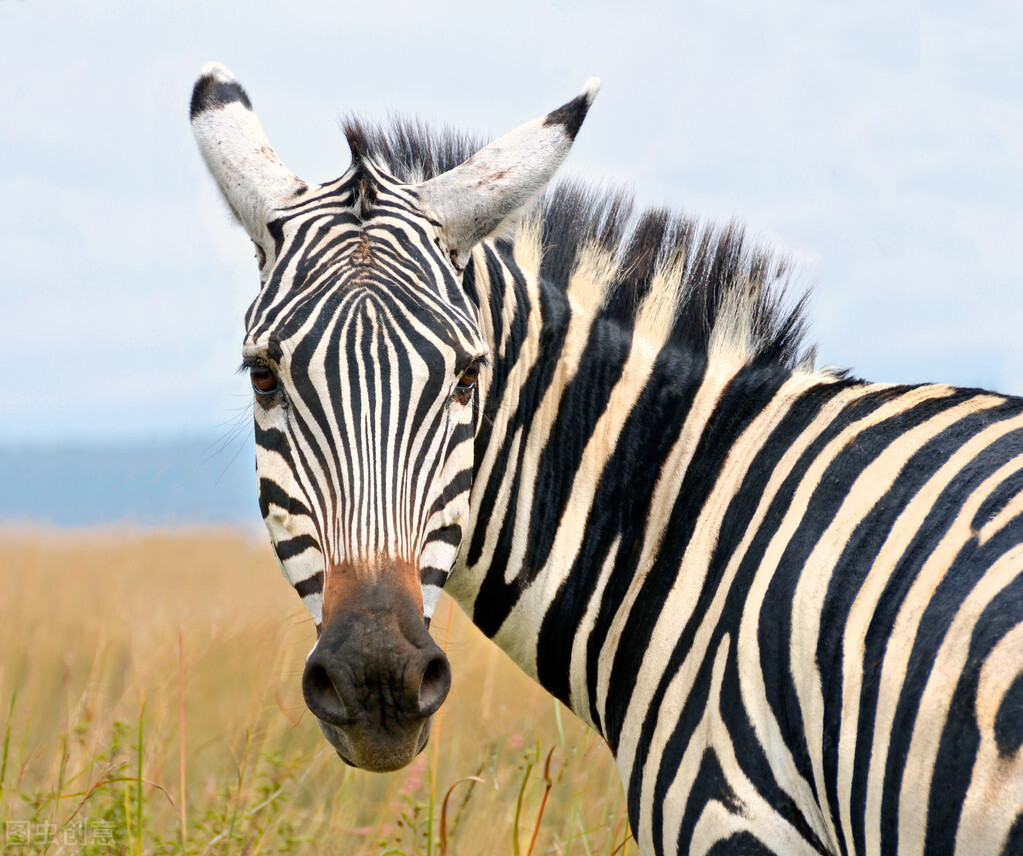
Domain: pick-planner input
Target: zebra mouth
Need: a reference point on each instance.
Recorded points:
(366, 750)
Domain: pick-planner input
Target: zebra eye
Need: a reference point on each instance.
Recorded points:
(263, 380)
(468, 379)
(467, 383)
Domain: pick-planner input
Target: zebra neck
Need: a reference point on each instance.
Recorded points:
(586, 444)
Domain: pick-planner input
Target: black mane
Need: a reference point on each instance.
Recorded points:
(718, 276)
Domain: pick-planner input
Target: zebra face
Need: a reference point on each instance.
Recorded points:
(365, 354)
(365, 364)
(365, 367)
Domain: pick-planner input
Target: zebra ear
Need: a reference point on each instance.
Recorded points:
(232, 142)
(472, 199)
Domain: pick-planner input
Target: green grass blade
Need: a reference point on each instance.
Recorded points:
(518, 809)
(583, 835)
(65, 752)
(7, 745)
(138, 786)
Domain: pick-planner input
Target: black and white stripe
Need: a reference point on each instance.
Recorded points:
(789, 599)
(358, 347)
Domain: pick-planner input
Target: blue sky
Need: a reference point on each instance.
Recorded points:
(880, 143)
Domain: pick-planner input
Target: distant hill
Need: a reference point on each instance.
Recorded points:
(156, 483)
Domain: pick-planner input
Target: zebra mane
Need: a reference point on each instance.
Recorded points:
(661, 273)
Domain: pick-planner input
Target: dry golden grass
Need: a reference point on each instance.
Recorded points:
(90, 625)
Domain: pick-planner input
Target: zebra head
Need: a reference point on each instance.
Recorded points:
(365, 353)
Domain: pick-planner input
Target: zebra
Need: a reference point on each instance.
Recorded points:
(789, 599)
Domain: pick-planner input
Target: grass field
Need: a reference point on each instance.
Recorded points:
(150, 702)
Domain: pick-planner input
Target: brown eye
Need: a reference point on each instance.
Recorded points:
(466, 384)
(468, 379)
(263, 380)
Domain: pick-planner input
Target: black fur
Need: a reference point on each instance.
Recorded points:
(570, 115)
(211, 94)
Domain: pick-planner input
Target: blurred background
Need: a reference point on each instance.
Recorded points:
(880, 143)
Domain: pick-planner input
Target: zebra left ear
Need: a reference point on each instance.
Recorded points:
(471, 200)
(246, 168)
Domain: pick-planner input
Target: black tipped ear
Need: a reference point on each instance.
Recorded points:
(472, 199)
(211, 92)
(570, 116)
(250, 175)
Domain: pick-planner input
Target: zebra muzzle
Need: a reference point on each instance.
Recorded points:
(376, 677)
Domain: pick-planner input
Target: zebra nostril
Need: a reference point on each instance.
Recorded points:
(321, 695)
(436, 682)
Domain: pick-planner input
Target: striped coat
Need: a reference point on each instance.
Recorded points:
(789, 599)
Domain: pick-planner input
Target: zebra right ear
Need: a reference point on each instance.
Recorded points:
(470, 201)
(246, 168)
